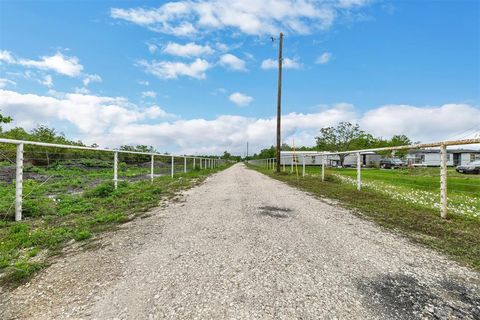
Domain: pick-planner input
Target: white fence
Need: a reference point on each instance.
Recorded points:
(157, 162)
(298, 159)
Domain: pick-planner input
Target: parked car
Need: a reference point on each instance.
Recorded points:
(391, 163)
(472, 167)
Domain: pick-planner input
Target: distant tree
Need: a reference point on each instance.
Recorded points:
(395, 141)
(399, 140)
(344, 137)
(16, 134)
(267, 153)
(226, 155)
(4, 119)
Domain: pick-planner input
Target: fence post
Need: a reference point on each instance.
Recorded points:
(19, 183)
(283, 164)
(359, 172)
(152, 166)
(193, 163)
(323, 168)
(291, 165)
(173, 166)
(303, 166)
(185, 164)
(443, 182)
(115, 169)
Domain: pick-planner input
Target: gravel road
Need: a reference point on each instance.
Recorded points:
(242, 245)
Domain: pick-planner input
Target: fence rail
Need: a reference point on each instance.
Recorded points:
(300, 159)
(177, 163)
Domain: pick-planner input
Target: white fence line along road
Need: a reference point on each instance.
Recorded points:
(270, 163)
(204, 163)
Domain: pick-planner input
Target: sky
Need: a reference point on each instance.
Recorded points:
(200, 76)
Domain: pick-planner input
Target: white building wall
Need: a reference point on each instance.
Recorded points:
(467, 158)
(311, 158)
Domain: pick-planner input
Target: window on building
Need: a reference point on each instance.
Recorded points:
(313, 159)
(473, 156)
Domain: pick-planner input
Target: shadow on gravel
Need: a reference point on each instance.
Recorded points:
(403, 297)
(274, 212)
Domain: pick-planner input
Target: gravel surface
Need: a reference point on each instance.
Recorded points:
(243, 245)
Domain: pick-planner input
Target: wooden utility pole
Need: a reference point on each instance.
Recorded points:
(279, 101)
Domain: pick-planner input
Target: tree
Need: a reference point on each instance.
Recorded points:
(4, 119)
(226, 155)
(396, 140)
(344, 137)
(267, 153)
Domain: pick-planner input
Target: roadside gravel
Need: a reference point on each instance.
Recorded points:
(243, 245)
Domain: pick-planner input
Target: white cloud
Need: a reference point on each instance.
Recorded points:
(187, 50)
(172, 70)
(222, 47)
(5, 82)
(324, 58)
(232, 62)
(240, 99)
(423, 124)
(59, 63)
(152, 47)
(287, 64)
(185, 18)
(81, 90)
(47, 81)
(353, 3)
(93, 115)
(111, 122)
(143, 82)
(149, 94)
(6, 56)
(89, 78)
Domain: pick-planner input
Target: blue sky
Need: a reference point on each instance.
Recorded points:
(166, 73)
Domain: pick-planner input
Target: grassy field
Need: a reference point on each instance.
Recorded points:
(457, 236)
(74, 205)
(419, 186)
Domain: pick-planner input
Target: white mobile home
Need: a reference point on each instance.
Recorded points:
(431, 157)
(314, 158)
(311, 157)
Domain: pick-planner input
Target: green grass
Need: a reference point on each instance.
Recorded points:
(420, 186)
(419, 178)
(457, 236)
(25, 247)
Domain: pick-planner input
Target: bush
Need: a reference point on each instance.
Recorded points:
(74, 204)
(103, 190)
(37, 207)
